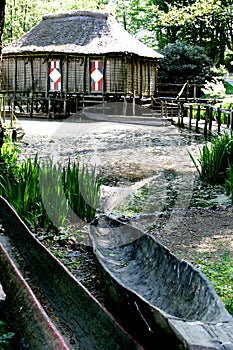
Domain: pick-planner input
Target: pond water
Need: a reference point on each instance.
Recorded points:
(146, 169)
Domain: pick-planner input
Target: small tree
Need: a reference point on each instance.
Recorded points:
(182, 62)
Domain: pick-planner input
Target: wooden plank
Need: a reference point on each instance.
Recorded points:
(90, 322)
(204, 336)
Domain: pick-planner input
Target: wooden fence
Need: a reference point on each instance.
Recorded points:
(198, 115)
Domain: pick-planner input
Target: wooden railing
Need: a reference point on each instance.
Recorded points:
(198, 115)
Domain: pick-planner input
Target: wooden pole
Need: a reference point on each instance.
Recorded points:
(219, 119)
(206, 120)
(181, 114)
(210, 119)
(33, 87)
(198, 117)
(190, 116)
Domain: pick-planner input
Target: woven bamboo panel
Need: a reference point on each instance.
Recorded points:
(40, 74)
(137, 77)
(64, 77)
(72, 76)
(8, 71)
(5, 71)
(20, 74)
(129, 76)
(152, 74)
(75, 75)
(145, 78)
(115, 75)
(79, 74)
(28, 76)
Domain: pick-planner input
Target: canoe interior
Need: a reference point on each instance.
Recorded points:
(73, 305)
(153, 277)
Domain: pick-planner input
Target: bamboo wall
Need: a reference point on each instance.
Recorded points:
(115, 75)
(122, 75)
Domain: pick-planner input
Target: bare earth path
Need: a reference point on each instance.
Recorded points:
(194, 232)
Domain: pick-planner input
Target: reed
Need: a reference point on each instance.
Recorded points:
(46, 194)
(53, 193)
(82, 189)
(214, 159)
(215, 164)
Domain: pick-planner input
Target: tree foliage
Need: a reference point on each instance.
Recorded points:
(22, 15)
(182, 62)
(2, 16)
(206, 23)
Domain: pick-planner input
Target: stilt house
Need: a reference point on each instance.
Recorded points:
(71, 60)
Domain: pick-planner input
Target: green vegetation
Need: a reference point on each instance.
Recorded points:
(216, 162)
(229, 181)
(216, 167)
(46, 194)
(220, 272)
(229, 88)
(5, 337)
(215, 158)
(205, 23)
(196, 65)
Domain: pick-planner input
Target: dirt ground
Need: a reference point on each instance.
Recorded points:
(187, 233)
(194, 232)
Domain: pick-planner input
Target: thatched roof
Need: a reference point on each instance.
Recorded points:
(80, 32)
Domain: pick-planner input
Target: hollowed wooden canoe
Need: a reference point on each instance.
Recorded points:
(74, 307)
(159, 296)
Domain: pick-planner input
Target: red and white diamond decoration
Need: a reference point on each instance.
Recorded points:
(54, 75)
(96, 74)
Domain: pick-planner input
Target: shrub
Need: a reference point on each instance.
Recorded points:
(182, 62)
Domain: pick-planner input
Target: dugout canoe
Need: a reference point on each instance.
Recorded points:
(166, 299)
(29, 274)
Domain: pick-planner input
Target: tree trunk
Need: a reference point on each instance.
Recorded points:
(2, 18)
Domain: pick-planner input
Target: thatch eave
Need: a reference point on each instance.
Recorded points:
(81, 33)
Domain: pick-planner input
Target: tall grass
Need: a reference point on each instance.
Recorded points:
(215, 163)
(22, 190)
(47, 194)
(82, 188)
(69, 190)
(214, 159)
(220, 272)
